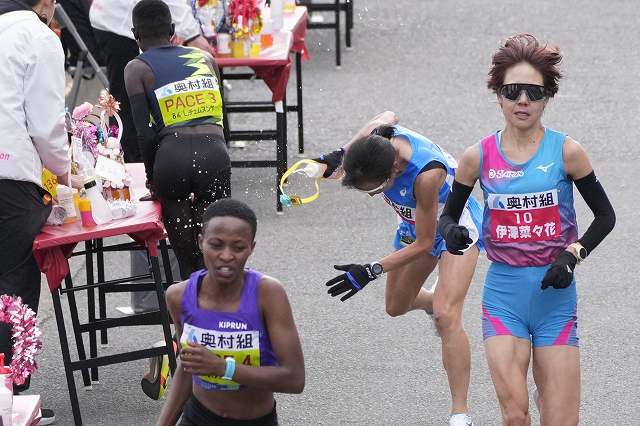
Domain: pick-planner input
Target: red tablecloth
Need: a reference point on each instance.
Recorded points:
(273, 65)
(54, 245)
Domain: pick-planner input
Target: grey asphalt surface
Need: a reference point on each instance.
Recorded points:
(426, 60)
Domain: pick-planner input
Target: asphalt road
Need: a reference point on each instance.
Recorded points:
(428, 61)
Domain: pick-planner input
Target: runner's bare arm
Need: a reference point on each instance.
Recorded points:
(180, 390)
(576, 160)
(468, 171)
(138, 79)
(289, 375)
(426, 189)
(384, 118)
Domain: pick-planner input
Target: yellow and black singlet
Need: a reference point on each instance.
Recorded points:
(186, 90)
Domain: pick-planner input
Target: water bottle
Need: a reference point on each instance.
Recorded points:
(313, 169)
(100, 210)
(67, 201)
(6, 393)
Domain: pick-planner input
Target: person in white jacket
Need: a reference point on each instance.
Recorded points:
(32, 136)
(111, 22)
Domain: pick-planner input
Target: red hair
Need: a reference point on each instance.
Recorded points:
(526, 48)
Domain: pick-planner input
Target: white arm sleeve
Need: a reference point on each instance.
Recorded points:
(44, 103)
(186, 24)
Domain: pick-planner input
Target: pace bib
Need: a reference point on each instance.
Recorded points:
(190, 99)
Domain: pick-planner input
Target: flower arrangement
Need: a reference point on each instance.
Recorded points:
(92, 137)
(26, 336)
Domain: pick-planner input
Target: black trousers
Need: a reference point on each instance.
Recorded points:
(118, 51)
(22, 216)
(78, 11)
(192, 169)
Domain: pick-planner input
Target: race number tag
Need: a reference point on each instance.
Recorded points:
(189, 99)
(406, 213)
(49, 182)
(242, 345)
(524, 217)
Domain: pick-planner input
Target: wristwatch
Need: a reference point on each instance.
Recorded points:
(579, 251)
(377, 269)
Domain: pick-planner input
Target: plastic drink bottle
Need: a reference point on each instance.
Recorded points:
(99, 208)
(6, 393)
(66, 200)
(85, 213)
(315, 170)
(266, 35)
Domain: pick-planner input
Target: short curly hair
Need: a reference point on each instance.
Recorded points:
(233, 208)
(526, 48)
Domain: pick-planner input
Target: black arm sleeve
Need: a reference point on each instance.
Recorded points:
(147, 137)
(454, 206)
(604, 217)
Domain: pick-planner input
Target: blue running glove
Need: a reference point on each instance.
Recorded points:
(355, 278)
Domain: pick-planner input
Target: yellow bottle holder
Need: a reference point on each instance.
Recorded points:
(293, 199)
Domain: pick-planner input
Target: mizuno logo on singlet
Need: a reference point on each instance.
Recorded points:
(545, 168)
(505, 174)
(232, 325)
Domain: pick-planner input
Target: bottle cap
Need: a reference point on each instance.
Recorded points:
(3, 369)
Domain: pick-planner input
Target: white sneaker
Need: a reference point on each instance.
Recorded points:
(460, 419)
(430, 314)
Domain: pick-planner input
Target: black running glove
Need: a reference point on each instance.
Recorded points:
(456, 237)
(333, 160)
(353, 280)
(560, 273)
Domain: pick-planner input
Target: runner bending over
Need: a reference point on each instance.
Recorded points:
(414, 176)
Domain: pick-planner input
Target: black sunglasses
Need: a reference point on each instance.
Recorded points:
(512, 91)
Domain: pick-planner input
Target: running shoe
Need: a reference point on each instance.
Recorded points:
(154, 383)
(460, 419)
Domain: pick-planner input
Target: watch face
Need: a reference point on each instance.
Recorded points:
(376, 268)
(582, 252)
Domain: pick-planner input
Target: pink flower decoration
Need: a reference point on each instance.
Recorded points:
(26, 336)
(113, 131)
(81, 111)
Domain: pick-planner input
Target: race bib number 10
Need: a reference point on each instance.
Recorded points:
(524, 217)
(190, 99)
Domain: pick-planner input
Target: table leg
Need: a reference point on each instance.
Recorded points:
(166, 262)
(66, 358)
(91, 307)
(164, 315)
(299, 102)
(337, 19)
(281, 146)
(75, 322)
(102, 300)
(349, 22)
(225, 118)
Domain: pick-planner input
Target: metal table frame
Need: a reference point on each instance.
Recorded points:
(89, 366)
